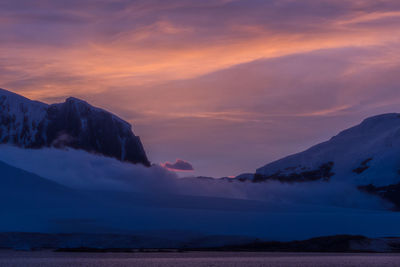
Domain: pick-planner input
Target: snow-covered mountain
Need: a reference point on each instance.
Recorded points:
(74, 123)
(367, 156)
(330, 189)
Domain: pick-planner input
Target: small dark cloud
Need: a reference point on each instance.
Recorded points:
(179, 165)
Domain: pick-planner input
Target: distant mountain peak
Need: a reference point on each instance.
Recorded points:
(78, 101)
(366, 155)
(74, 123)
(372, 126)
(381, 117)
(9, 93)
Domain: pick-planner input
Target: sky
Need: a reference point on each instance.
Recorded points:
(224, 86)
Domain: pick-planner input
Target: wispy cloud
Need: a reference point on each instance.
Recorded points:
(278, 75)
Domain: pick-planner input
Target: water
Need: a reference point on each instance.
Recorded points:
(194, 259)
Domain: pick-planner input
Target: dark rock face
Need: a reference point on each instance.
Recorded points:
(78, 125)
(324, 173)
(363, 166)
(390, 193)
(74, 124)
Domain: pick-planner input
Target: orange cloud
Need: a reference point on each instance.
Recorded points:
(125, 63)
(215, 70)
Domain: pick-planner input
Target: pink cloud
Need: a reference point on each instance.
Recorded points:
(179, 166)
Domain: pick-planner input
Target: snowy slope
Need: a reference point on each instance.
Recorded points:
(20, 119)
(73, 123)
(368, 153)
(366, 156)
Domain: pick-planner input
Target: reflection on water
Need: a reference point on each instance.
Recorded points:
(195, 259)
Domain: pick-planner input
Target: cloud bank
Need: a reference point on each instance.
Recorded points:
(84, 171)
(81, 170)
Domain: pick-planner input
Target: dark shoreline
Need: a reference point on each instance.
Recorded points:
(111, 243)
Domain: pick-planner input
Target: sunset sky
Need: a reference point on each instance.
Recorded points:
(227, 85)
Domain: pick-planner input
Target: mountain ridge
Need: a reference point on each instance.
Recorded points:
(367, 141)
(74, 123)
(366, 156)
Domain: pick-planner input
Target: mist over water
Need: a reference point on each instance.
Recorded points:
(81, 170)
(109, 196)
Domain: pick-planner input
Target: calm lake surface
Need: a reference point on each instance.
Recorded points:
(195, 259)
